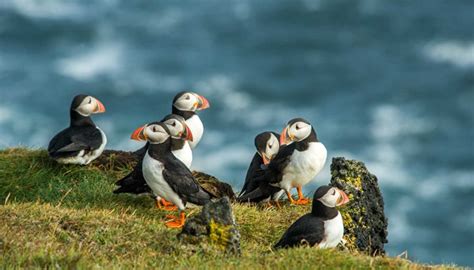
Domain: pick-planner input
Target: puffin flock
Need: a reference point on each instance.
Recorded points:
(281, 163)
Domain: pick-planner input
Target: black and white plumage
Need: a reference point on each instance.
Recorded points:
(267, 145)
(323, 227)
(186, 104)
(168, 177)
(181, 135)
(82, 142)
(296, 164)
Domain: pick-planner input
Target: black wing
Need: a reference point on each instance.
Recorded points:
(142, 151)
(72, 140)
(250, 184)
(306, 230)
(134, 182)
(181, 180)
(274, 172)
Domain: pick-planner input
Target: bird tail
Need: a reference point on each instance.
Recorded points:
(252, 196)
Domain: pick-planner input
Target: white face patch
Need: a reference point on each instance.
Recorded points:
(331, 198)
(299, 131)
(87, 106)
(272, 148)
(176, 128)
(187, 102)
(156, 134)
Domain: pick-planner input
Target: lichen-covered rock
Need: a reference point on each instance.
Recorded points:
(216, 225)
(364, 219)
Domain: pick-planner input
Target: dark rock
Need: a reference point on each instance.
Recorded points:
(364, 219)
(215, 224)
(213, 186)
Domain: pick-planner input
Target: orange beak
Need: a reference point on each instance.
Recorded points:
(100, 107)
(138, 134)
(203, 104)
(188, 135)
(343, 198)
(264, 158)
(284, 136)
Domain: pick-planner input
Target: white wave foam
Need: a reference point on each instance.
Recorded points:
(390, 127)
(103, 59)
(5, 114)
(453, 52)
(44, 9)
(223, 88)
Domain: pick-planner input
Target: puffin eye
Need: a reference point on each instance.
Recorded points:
(90, 100)
(174, 124)
(188, 97)
(333, 192)
(297, 127)
(154, 128)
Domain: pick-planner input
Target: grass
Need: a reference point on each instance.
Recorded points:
(62, 216)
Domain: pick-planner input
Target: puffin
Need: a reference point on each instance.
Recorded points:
(186, 104)
(168, 177)
(296, 164)
(267, 144)
(323, 227)
(181, 135)
(81, 142)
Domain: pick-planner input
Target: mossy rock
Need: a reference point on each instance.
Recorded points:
(365, 223)
(215, 226)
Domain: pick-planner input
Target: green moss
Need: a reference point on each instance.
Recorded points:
(54, 216)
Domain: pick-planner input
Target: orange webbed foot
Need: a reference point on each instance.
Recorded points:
(163, 204)
(302, 201)
(176, 222)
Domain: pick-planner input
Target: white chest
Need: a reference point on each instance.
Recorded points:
(197, 128)
(185, 155)
(96, 153)
(333, 232)
(153, 174)
(304, 166)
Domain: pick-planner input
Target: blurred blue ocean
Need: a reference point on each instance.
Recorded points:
(387, 82)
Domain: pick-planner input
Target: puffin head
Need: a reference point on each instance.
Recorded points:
(177, 127)
(190, 102)
(330, 196)
(155, 133)
(87, 105)
(267, 145)
(296, 130)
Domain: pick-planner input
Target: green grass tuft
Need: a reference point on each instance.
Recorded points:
(61, 216)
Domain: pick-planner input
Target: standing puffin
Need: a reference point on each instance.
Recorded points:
(267, 145)
(186, 104)
(323, 226)
(168, 177)
(82, 141)
(296, 164)
(181, 135)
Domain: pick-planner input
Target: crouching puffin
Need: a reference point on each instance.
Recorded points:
(82, 142)
(181, 135)
(297, 163)
(322, 227)
(267, 145)
(168, 177)
(186, 104)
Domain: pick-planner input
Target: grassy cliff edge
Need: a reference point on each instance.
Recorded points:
(54, 216)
